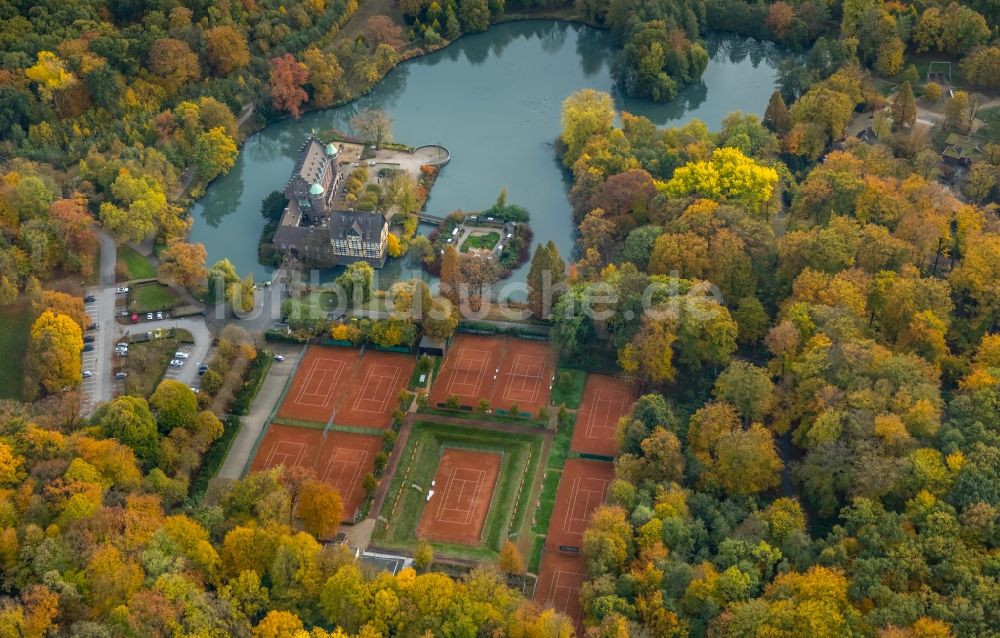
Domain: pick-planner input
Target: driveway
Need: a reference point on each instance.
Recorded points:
(263, 405)
(97, 389)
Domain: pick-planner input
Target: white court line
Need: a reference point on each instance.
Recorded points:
(323, 375)
(482, 361)
(358, 461)
(365, 396)
(298, 450)
(572, 592)
(571, 516)
(450, 489)
(522, 372)
(618, 400)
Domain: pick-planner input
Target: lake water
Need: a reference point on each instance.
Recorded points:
(493, 99)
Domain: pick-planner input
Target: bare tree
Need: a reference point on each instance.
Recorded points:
(374, 125)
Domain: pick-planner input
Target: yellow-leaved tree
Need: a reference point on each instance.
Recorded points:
(50, 74)
(728, 175)
(56, 342)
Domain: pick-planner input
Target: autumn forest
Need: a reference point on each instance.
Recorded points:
(807, 302)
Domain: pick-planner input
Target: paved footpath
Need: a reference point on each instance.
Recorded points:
(263, 405)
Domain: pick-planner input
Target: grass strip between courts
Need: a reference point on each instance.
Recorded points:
(419, 463)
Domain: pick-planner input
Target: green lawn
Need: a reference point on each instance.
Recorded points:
(146, 364)
(152, 297)
(487, 241)
(568, 388)
(15, 324)
(137, 266)
(991, 117)
(560, 444)
(521, 454)
(547, 497)
(546, 500)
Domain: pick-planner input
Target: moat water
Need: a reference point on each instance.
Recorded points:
(493, 99)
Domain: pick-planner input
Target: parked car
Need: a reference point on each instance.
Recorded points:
(159, 315)
(90, 299)
(135, 318)
(93, 326)
(149, 316)
(87, 347)
(89, 339)
(121, 290)
(181, 355)
(279, 358)
(121, 375)
(177, 362)
(87, 374)
(122, 344)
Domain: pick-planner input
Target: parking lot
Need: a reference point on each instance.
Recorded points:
(91, 356)
(187, 363)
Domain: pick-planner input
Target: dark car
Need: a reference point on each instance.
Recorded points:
(87, 347)
(89, 339)
(90, 298)
(92, 326)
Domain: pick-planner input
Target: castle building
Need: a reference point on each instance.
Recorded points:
(312, 229)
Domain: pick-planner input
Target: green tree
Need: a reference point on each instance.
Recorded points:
(423, 555)
(129, 420)
(175, 405)
(585, 114)
(776, 116)
(214, 153)
(748, 388)
(904, 107)
(607, 542)
(956, 111)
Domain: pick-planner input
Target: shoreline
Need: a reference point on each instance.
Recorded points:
(416, 55)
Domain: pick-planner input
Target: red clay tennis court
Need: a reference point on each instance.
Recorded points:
(559, 580)
(525, 377)
(373, 393)
(468, 370)
(340, 459)
(463, 491)
(318, 383)
(605, 400)
(582, 489)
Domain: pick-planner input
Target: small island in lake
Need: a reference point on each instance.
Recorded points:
(343, 197)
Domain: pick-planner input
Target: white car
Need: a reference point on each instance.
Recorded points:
(177, 362)
(181, 355)
(121, 290)
(149, 316)
(87, 374)
(279, 358)
(159, 315)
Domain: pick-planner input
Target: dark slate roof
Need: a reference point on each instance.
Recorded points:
(309, 164)
(367, 225)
